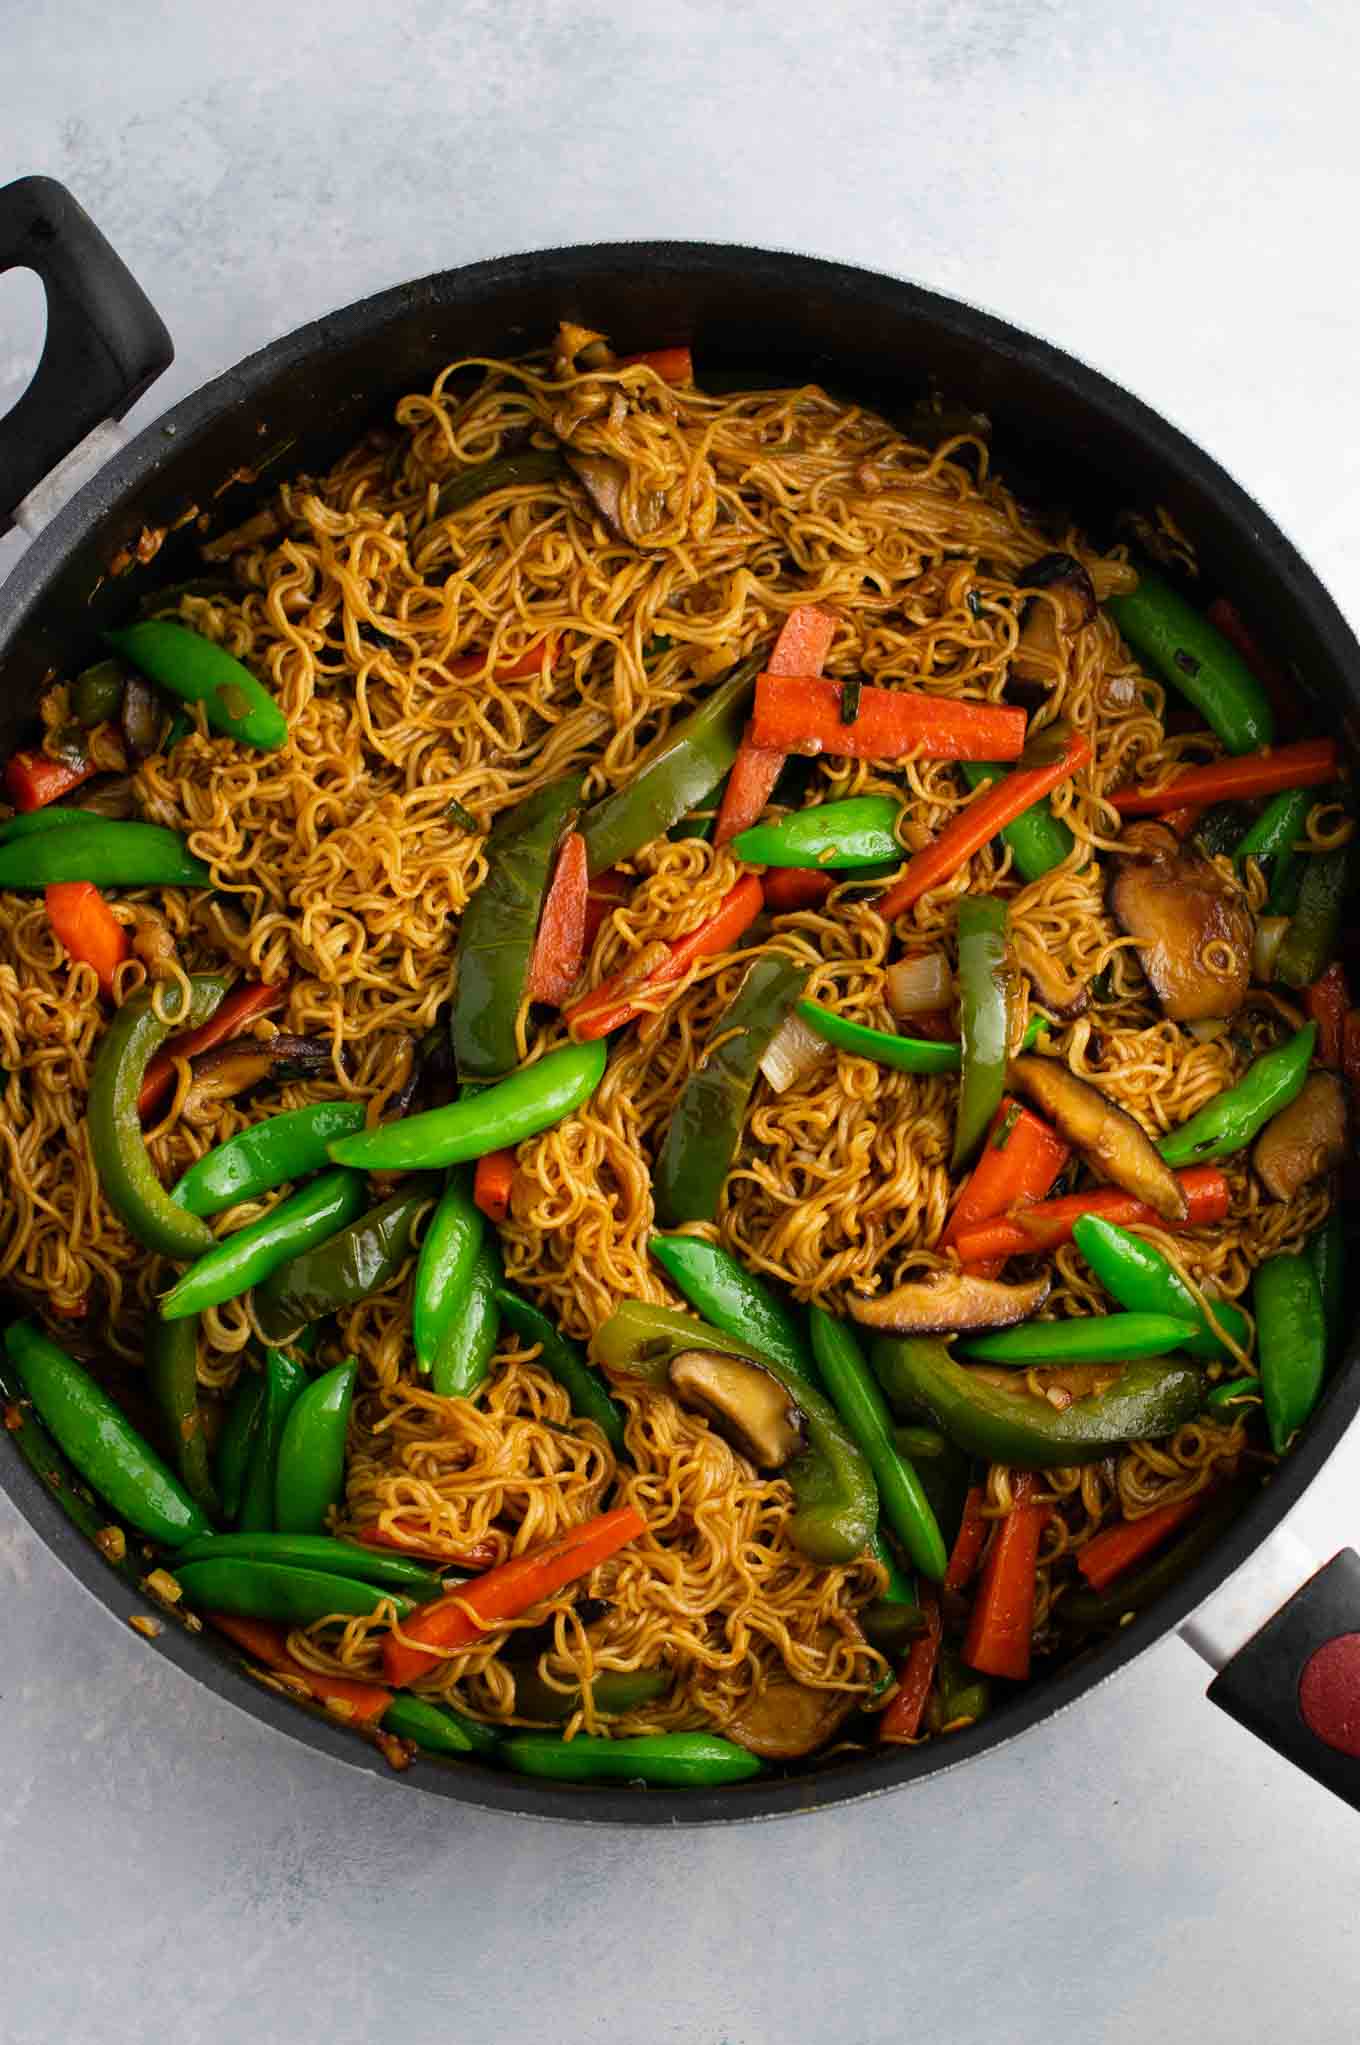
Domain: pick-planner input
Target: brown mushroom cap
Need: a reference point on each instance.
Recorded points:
(1193, 927)
(747, 1405)
(1058, 988)
(1104, 1133)
(1068, 604)
(786, 1718)
(1305, 1139)
(948, 1301)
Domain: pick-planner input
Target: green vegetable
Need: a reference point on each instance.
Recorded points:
(565, 1361)
(172, 1379)
(469, 1339)
(706, 1124)
(310, 1476)
(615, 1691)
(1233, 1392)
(283, 1383)
(861, 1406)
(1090, 1338)
(236, 1444)
(679, 1760)
(900, 1588)
(250, 1254)
(356, 1261)
(1196, 660)
(1219, 830)
(1148, 1399)
(98, 1438)
(831, 835)
(266, 1155)
(97, 696)
(20, 1425)
(499, 926)
(699, 822)
(960, 1692)
(51, 817)
(983, 1023)
(1230, 1121)
(112, 855)
(885, 1047)
(676, 776)
(1291, 1343)
(437, 1727)
(1038, 840)
(835, 1503)
(497, 1117)
(1310, 941)
(851, 691)
(505, 472)
(276, 1590)
(127, 1176)
(733, 1299)
(1327, 1255)
(1093, 1611)
(198, 671)
(1142, 1280)
(1271, 840)
(323, 1551)
(893, 1628)
(448, 1254)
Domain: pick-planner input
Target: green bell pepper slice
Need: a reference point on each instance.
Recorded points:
(1141, 1279)
(616, 1691)
(97, 693)
(283, 1384)
(672, 1760)
(835, 1502)
(1088, 1338)
(347, 1267)
(97, 1437)
(197, 670)
(324, 1551)
(502, 472)
(861, 1405)
(566, 1361)
(1271, 839)
(828, 837)
(309, 1476)
(706, 1125)
(885, 1047)
(733, 1299)
(983, 1020)
(495, 1118)
(1038, 840)
(448, 1254)
(172, 1379)
(266, 1155)
(1291, 1342)
(276, 1590)
(500, 924)
(127, 1176)
(248, 1256)
(1229, 1122)
(437, 1728)
(1149, 1399)
(1310, 941)
(1198, 662)
(469, 1339)
(112, 855)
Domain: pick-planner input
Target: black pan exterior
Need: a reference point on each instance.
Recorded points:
(1077, 441)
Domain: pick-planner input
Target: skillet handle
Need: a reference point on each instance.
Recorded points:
(105, 340)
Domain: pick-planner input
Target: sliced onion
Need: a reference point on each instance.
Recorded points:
(1207, 1028)
(916, 985)
(1270, 932)
(793, 1050)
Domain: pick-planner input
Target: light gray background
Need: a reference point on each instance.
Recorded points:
(1172, 192)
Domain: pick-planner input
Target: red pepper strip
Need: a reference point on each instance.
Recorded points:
(492, 1182)
(617, 1000)
(32, 780)
(672, 365)
(1350, 1048)
(1050, 1222)
(455, 1622)
(1002, 1618)
(804, 641)
(969, 1542)
(795, 887)
(1300, 766)
(535, 660)
(243, 1005)
(1119, 1547)
(1183, 820)
(607, 890)
(364, 1703)
(902, 1719)
(1020, 1160)
(480, 1555)
(88, 928)
(802, 714)
(997, 805)
(1327, 1001)
(560, 947)
(1284, 697)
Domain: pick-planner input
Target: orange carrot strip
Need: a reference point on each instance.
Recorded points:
(802, 714)
(1020, 1160)
(1119, 1547)
(795, 887)
(902, 1719)
(995, 806)
(535, 660)
(491, 1184)
(1303, 765)
(617, 1000)
(803, 644)
(1050, 1222)
(969, 1542)
(1327, 1001)
(560, 947)
(267, 1644)
(672, 365)
(455, 1622)
(1002, 1618)
(243, 1005)
(87, 927)
(480, 1555)
(32, 780)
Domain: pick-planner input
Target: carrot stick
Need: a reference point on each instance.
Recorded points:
(480, 1555)
(560, 947)
(1119, 1547)
(535, 660)
(617, 1000)
(795, 887)
(1002, 1618)
(802, 646)
(999, 803)
(1327, 1001)
(607, 890)
(672, 365)
(243, 1005)
(266, 1643)
(1303, 765)
(969, 1542)
(1020, 1160)
(491, 1184)
(1050, 1222)
(87, 927)
(902, 1719)
(802, 714)
(455, 1622)
(32, 780)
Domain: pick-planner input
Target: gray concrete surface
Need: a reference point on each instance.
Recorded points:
(1171, 192)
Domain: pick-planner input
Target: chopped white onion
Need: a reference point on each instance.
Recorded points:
(1269, 936)
(793, 1050)
(1207, 1028)
(915, 986)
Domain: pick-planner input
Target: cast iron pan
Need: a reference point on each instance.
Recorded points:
(1075, 440)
